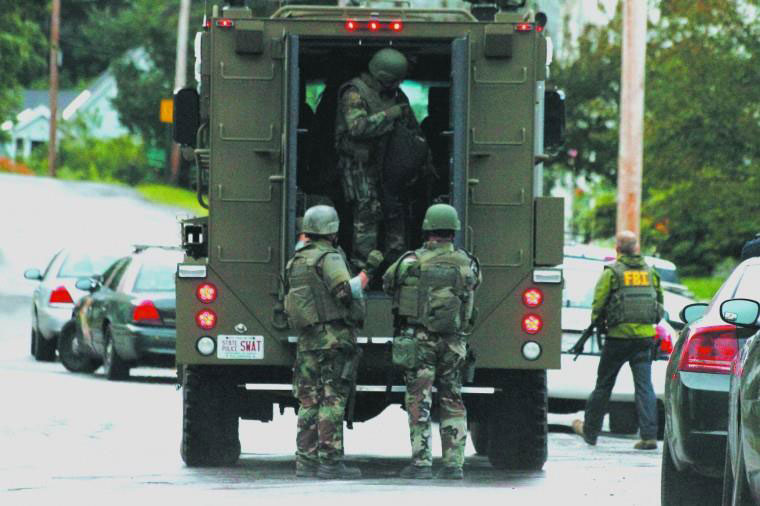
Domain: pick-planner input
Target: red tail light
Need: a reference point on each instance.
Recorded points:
(666, 340)
(225, 23)
(532, 323)
(373, 26)
(206, 293)
(532, 297)
(524, 27)
(146, 313)
(206, 319)
(396, 26)
(60, 296)
(351, 25)
(710, 349)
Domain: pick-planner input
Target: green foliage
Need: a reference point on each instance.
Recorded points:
(22, 51)
(172, 196)
(703, 288)
(701, 154)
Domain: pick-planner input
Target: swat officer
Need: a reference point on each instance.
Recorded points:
(629, 296)
(433, 299)
(325, 305)
(370, 107)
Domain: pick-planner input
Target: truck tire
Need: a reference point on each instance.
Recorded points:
(623, 418)
(517, 426)
(71, 360)
(209, 420)
(685, 488)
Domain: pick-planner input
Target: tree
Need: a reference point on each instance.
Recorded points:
(701, 124)
(22, 51)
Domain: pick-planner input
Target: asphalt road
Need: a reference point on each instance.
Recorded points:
(79, 439)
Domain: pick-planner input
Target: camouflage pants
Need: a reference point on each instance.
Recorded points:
(439, 359)
(361, 186)
(322, 396)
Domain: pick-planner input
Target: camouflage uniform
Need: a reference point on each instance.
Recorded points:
(323, 350)
(439, 356)
(363, 124)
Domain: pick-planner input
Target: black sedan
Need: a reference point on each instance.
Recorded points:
(741, 478)
(696, 394)
(128, 317)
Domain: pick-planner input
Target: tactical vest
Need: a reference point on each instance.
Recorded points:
(634, 296)
(437, 291)
(360, 149)
(308, 301)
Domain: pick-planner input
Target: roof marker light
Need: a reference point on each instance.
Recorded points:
(373, 26)
(396, 26)
(351, 25)
(225, 23)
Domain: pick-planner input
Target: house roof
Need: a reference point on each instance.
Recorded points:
(34, 98)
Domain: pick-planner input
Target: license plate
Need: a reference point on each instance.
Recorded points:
(240, 347)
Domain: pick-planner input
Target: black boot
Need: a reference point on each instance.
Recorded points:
(337, 471)
(412, 472)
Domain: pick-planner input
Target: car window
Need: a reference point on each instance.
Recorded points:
(155, 275)
(749, 285)
(727, 289)
(668, 275)
(50, 264)
(580, 282)
(83, 265)
(115, 274)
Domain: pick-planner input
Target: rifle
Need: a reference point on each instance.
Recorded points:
(349, 373)
(595, 328)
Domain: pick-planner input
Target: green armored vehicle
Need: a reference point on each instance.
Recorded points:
(261, 125)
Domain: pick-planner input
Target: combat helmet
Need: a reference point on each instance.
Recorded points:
(441, 217)
(320, 220)
(388, 65)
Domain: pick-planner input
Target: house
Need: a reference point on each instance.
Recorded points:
(32, 125)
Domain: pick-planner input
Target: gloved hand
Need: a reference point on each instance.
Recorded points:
(374, 259)
(396, 111)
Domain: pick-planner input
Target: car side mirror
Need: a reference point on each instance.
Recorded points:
(33, 274)
(692, 312)
(741, 312)
(87, 284)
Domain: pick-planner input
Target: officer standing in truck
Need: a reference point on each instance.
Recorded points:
(325, 305)
(629, 296)
(433, 290)
(369, 108)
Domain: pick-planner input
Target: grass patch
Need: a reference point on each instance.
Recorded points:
(703, 288)
(172, 196)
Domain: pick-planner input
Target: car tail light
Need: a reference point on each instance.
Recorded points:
(206, 319)
(206, 292)
(532, 323)
(60, 296)
(710, 349)
(146, 313)
(532, 297)
(665, 339)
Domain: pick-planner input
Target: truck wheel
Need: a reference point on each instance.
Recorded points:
(42, 349)
(623, 418)
(479, 437)
(114, 367)
(209, 420)
(71, 360)
(685, 488)
(517, 427)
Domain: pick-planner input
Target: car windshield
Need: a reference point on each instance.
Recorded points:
(82, 265)
(156, 274)
(580, 280)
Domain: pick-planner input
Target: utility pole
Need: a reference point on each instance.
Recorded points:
(630, 155)
(55, 18)
(180, 73)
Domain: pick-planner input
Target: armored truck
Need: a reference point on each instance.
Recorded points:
(260, 126)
